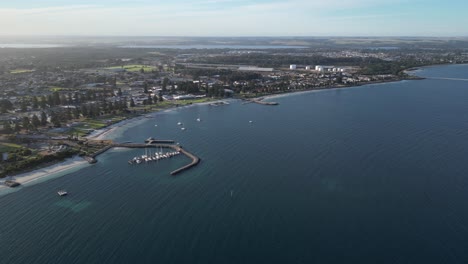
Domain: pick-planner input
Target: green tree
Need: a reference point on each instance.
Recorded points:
(43, 118)
(55, 120)
(43, 102)
(164, 84)
(26, 122)
(35, 121)
(7, 128)
(132, 103)
(149, 100)
(35, 102)
(56, 98)
(17, 127)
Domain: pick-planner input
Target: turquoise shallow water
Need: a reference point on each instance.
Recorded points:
(373, 174)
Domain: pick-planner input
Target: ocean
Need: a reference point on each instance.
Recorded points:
(371, 174)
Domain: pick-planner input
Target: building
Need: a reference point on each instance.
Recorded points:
(292, 66)
(307, 68)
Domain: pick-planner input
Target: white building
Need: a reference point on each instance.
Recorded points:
(292, 66)
(307, 67)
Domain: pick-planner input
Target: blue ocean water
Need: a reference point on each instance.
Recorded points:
(372, 174)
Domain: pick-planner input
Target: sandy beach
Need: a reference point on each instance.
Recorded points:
(29, 177)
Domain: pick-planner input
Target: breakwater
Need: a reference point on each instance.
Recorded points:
(150, 144)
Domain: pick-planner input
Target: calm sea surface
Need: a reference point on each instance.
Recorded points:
(373, 174)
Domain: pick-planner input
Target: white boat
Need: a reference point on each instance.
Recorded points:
(250, 121)
(183, 128)
(179, 124)
(198, 119)
(62, 193)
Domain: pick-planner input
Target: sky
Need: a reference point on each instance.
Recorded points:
(234, 17)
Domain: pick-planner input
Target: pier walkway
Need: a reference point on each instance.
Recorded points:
(195, 159)
(260, 101)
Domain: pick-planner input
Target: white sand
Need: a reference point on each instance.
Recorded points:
(31, 176)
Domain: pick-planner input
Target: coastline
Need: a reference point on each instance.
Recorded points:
(48, 172)
(27, 178)
(102, 134)
(278, 95)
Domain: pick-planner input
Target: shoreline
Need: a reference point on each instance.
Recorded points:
(101, 134)
(278, 95)
(28, 177)
(31, 176)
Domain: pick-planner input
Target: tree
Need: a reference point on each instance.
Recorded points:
(35, 102)
(68, 114)
(84, 110)
(160, 98)
(155, 99)
(150, 100)
(119, 93)
(26, 122)
(35, 121)
(132, 103)
(54, 118)
(17, 127)
(76, 113)
(5, 105)
(43, 118)
(56, 98)
(145, 88)
(173, 90)
(24, 105)
(142, 70)
(43, 102)
(7, 128)
(164, 84)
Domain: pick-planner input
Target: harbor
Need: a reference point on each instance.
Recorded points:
(150, 156)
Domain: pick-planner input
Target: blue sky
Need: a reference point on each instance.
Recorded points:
(235, 17)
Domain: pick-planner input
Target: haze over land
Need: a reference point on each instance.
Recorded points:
(235, 18)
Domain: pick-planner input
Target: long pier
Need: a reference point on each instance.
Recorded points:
(449, 79)
(260, 101)
(195, 159)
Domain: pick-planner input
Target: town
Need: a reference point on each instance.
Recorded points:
(52, 98)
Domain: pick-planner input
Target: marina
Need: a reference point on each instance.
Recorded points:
(150, 156)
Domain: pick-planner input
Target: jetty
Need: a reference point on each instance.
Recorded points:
(151, 143)
(151, 140)
(260, 101)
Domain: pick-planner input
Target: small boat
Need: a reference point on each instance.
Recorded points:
(179, 124)
(198, 119)
(62, 193)
(250, 121)
(183, 128)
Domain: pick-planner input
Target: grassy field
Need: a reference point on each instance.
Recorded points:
(17, 71)
(57, 89)
(7, 147)
(134, 68)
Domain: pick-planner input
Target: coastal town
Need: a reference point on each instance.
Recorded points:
(53, 99)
